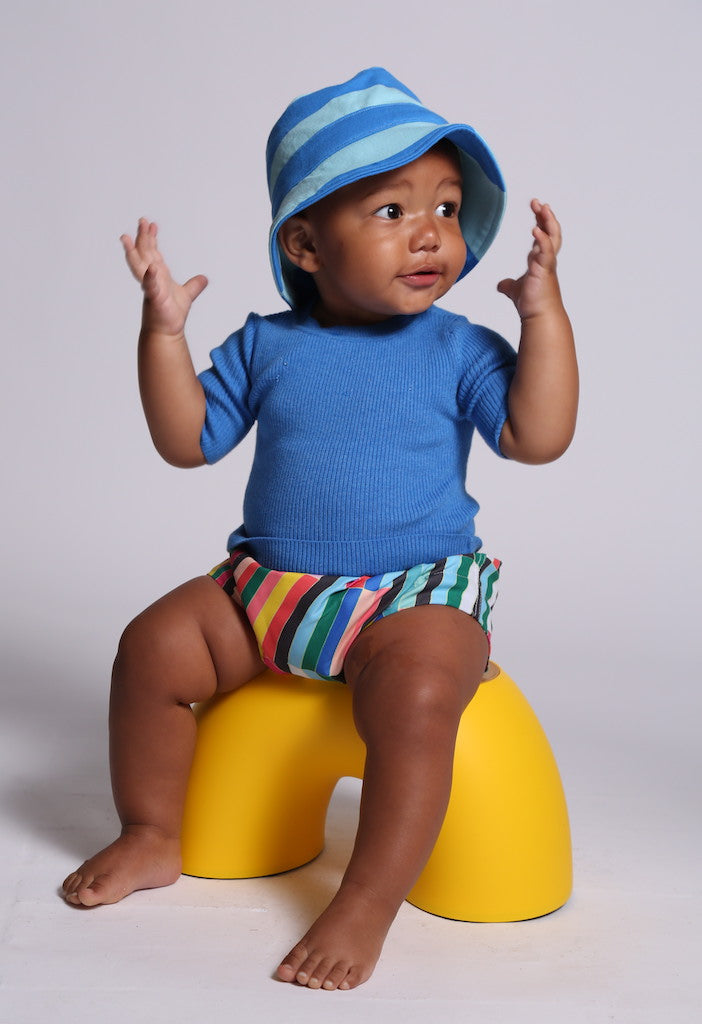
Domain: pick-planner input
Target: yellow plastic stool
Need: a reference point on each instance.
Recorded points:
(269, 755)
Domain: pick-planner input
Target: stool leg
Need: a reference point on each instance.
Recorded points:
(267, 759)
(504, 851)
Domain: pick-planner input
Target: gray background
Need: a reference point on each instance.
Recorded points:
(112, 111)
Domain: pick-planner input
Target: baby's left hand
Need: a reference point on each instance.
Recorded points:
(537, 289)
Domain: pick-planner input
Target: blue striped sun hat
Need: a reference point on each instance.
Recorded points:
(368, 125)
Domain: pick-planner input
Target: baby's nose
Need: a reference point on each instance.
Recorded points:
(425, 234)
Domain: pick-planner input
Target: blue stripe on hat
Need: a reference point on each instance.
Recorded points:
(361, 125)
(305, 106)
(337, 108)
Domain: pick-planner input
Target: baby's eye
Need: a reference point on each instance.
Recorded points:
(390, 212)
(447, 209)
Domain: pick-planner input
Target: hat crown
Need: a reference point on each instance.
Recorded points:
(304, 113)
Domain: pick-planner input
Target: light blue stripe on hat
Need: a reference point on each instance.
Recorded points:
(332, 111)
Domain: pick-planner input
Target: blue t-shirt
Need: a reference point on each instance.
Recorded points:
(363, 436)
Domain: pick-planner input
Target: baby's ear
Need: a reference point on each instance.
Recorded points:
(295, 236)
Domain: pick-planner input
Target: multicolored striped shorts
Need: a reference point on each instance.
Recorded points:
(305, 624)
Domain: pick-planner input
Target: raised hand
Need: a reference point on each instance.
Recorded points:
(166, 303)
(537, 289)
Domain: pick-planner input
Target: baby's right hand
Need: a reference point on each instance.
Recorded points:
(166, 303)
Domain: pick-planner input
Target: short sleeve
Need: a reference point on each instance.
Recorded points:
(482, 395)
(227, 386)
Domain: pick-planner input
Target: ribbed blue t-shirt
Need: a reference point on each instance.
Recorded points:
(363, 436)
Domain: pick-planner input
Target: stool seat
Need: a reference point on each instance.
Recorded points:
(269, 755)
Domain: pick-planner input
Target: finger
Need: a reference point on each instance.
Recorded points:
(550, 225)
(135, 262)
(542, 250)
(543, 214)
(145, 242)
(146, 227)
(507, 287)
(142, 234)
(129, 247)
(548, 222)
(195, 286)
(541, 238)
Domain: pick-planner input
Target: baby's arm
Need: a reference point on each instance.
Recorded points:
(172, 396)
(543, 397)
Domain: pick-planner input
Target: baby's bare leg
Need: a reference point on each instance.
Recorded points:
(412, 676)
(192, 643)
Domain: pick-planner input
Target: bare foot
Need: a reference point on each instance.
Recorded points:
(343, 945)
(142, 858)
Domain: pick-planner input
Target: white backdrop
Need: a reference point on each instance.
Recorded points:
(114, 110)
(117, 110)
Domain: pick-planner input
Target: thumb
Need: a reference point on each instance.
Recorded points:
(507, 287)
(195, 286)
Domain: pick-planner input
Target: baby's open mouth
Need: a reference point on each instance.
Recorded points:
(425, 275)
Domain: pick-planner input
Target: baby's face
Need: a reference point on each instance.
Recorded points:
(389, 244)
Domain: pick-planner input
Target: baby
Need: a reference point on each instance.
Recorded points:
(357, 522)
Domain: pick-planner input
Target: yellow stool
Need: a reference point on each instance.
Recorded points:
(269, 755)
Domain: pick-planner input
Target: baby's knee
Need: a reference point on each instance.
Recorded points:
(429, 659)
(152, 640)
(431, 690)
(408, 694)
(135, 645)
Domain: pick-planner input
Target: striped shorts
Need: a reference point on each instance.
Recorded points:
(305, 624)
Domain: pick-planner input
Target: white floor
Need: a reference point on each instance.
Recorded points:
(626, 948)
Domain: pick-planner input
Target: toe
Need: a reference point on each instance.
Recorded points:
(71, 883)
(307, 972)
(99, 891)
(316, 973)
(74, 887)
(89, 895)
(336, 978)
(285, 972)
(355, 976)
(87, 891)
(290, 967)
